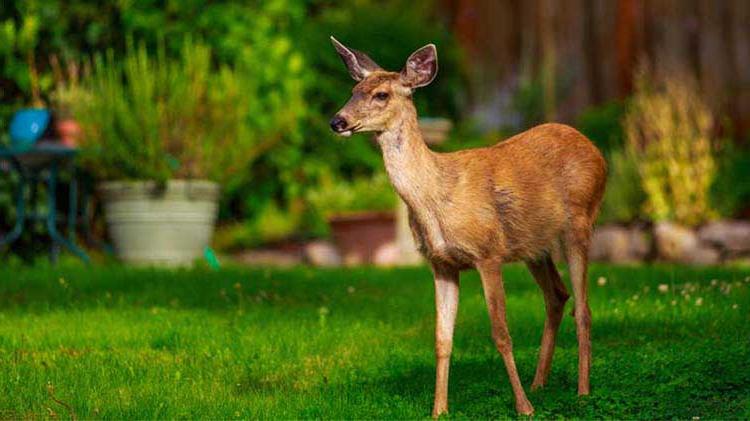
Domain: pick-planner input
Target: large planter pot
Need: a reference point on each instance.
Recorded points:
(164, 225)
(364, 237)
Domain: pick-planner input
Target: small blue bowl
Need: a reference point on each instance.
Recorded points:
(27, 126)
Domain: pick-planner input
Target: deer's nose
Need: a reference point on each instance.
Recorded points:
(338, 123)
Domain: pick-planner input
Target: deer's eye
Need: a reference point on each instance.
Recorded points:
(381, 96)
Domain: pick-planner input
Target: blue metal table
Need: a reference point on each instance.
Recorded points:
(30, 166)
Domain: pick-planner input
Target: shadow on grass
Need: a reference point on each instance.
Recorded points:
(707, 380)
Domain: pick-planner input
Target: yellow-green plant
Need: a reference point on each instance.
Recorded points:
(668, 127)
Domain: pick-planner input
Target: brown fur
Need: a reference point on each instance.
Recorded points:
(479, 208)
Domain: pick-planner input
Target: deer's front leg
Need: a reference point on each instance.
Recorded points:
(446, 305)
(494, 295)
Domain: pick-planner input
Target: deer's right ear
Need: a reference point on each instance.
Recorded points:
(357, 62)
(421, 67)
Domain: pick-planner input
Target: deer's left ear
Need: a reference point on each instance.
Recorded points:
(421, 67)
(357, 62)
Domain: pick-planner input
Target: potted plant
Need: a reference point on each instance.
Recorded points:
(360, 214)
(67, 128)
(18, 65)
(163, 135)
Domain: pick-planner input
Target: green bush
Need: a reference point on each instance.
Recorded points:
(335, 196)
(624, 196)
(730, 192)
(153, 117)
(603, 125)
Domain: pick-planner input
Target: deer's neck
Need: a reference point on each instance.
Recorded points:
(410, 164)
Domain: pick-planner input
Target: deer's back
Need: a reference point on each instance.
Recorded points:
(518, 197)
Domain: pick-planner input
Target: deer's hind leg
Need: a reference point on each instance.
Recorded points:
(555, 295)
(577, 241)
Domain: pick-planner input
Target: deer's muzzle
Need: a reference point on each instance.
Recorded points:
(340, 125)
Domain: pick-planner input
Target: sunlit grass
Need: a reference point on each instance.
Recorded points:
(113, 342)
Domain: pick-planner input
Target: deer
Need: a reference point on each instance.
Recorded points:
(517, 200)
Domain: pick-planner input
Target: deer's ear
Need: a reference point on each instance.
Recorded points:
(357, 62)
(421, 67)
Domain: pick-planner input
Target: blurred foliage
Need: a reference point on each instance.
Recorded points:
(336, 196)
(271, 224)
(669, 128)
(20, 82)
(730, 192)
(603, 125)
(624, 196)
(148, 116)
(529, 101)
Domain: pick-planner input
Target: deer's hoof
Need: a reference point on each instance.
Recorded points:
(535, 386)
(436, 413)
(525, 408)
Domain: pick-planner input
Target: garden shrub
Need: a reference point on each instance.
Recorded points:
(603, 125)
(336, 196)
(669, 128)
(624, 196)
(157, 118)
(731, 190)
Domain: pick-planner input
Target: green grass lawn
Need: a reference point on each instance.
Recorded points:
(114, 342)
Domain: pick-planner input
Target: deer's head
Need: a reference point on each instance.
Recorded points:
(380, 97)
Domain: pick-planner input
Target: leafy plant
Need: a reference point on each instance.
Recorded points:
(603, 125)
(335, 196)
(731, 190)
(624, 196)
(668, 127)
(153, 117)
(270, 224)
(18, 44)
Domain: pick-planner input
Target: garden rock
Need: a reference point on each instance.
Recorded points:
(322, 253)
(731, 236)
(619, 244)
(610, 243)
(680, 244)
(640, 243)
(703, 255)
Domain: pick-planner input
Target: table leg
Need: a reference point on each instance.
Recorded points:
(52, 216)
(72, 205)
(20, 209)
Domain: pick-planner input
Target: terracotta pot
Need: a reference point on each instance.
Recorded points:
(361, 236)
(69, 131)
